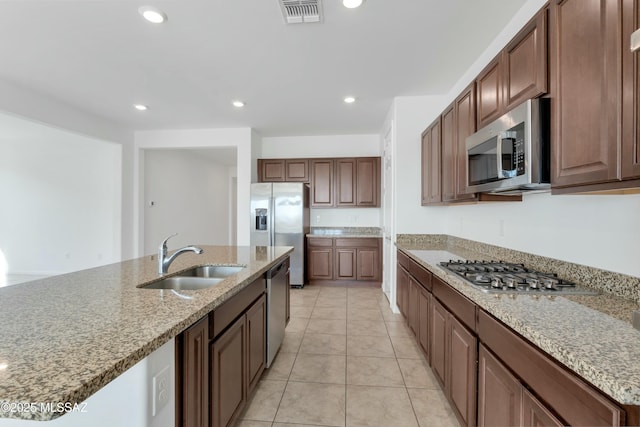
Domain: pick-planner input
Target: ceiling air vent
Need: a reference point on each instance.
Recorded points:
(300, 11)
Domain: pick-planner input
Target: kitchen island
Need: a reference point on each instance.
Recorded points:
(590, 336)
(66, 337)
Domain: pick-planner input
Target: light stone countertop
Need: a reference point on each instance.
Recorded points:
(65, 337)
(348, 232)
(588, 335)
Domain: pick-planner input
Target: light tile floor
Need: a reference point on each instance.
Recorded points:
(347, 360)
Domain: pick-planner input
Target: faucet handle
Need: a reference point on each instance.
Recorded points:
(163, 246)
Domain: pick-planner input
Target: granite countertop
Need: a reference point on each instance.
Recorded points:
(331, 232)
(65, 337)
(590, 335)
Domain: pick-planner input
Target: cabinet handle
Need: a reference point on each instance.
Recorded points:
(635, 40)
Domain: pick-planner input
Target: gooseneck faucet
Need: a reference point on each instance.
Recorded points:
(164, 262)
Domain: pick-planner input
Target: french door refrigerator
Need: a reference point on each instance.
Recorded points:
(280, 217)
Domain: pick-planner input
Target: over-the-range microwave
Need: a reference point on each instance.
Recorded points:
(512, 154)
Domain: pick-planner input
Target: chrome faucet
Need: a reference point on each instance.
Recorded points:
(164, 262)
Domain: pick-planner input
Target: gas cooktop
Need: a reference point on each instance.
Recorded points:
(504, 277)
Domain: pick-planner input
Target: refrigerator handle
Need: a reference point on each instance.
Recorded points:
(272, 221)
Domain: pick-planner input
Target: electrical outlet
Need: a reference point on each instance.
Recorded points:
(161, 391)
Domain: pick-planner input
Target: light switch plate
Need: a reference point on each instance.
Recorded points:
(161, 385)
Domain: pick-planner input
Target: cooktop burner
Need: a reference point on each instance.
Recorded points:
(500, 277)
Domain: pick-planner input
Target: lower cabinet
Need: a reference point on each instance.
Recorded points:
(228, 374)
(344, 259)
(220, 359)
(453, 359)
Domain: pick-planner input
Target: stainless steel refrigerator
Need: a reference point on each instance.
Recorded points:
(280, 217)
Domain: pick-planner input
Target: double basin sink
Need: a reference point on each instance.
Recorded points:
(196, 278)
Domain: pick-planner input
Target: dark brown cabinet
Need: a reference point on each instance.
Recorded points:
(535, 414)
(424, 311)
(453, 350)
(402, 290)
(229, 374)
(489, 84)
(256, 342)
(499, 393)
(518, 73)
(413, 315)
(431, 161)
(220, 359)
(464, 108)
(344, 259)
(283, 170)
(448, 155)
(357, 182)
(595, 95)
(193, 357)
(346, 182)
(322, 194)
(346, 264)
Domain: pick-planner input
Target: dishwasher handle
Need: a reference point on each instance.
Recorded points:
(276, 270)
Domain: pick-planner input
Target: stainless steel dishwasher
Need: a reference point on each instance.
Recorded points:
(277, 287)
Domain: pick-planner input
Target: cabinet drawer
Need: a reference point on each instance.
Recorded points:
(403, 259)
(457, 303)
(358, 242)
(320, 241)
(235, 306)
(422, 275)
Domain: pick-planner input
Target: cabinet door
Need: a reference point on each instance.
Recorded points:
(489, 86)
(368, 264)
(499, 393)
(322, 183)
(194, 395)
(368, 181)
(465, 125)
(345, 182)
(320, 263)
(630, 93)
(271, 170)
(256, 342)
(413, 315)
(424, 300)
(431, 190)
(402, 289)
(296, 170)
(345, 264)
(448, 159)
(525, 63)
(534, 414)
(229, 374)
(463, 353)
(438, 341)
(585, 69)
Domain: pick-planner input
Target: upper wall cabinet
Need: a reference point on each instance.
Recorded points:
(322, 195)
(345, 182)
(518, 73)
(595, 92)
(283, 170)
(431, 160)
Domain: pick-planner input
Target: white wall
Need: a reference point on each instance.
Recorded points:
(190, 196)
(240, 138)
(38, 108)
(61, 199)
(329, 146)
(600, 231)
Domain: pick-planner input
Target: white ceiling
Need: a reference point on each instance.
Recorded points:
(102, 57)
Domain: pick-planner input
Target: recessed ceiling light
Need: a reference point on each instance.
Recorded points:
(351, 4)
(349, 99)
(140, 107)
(153, 14)
(238, 104)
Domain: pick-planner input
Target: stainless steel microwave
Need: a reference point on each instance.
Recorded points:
(512, 154)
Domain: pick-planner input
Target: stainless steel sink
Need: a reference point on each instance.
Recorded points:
(182, 283)
(214, 271)
(196, 278)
